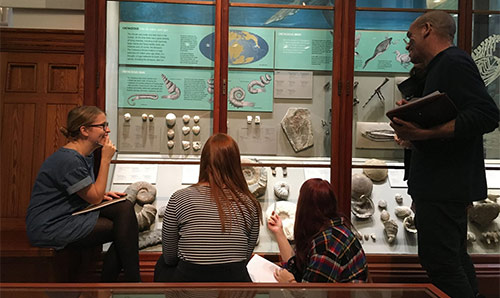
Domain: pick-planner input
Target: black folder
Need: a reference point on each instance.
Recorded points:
(428, 111)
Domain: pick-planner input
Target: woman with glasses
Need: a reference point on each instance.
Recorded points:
(66, 183)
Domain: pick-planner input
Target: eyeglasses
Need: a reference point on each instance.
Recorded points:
(102, 125)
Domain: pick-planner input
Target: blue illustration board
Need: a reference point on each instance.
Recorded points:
(381, 51)
(301, 49)
(164, 88)
(163, 44)
(250, 91)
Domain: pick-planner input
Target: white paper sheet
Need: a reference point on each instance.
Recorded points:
(493, 179)
(261, 270)
(396, 178)
(132, 173)
(323, 173)
(190, 174)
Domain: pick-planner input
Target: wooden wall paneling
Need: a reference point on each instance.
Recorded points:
(56, 118)
(21, 77)
(18, 128)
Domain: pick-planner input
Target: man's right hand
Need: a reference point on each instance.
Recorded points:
(401, 102)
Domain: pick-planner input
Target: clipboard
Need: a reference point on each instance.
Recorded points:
(428, 111)
(99, 206)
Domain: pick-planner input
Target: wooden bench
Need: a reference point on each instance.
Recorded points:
(21, 262)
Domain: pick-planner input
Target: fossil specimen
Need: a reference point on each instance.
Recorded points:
(141, 192)
(490, 237)
(196, 118)
(173, 90)
(149, 238)
(376, 174)
(146, 217)
(127, 116)
(471, 237)
(256, 177)
(170, 118)
(409, 224)
(483, 213)
(144, 117)
(186, 118)
(196, 129)
(196, 145)
(379, 135)
(379, 49)
(151, 117)
(390, 230)
(367, 237)
(186, 145)
(361, 185)
(402, 211)
(373, 236)
(399, 198)
(170, 133)
(384, 215)
(362, 206)
(281, 190)
(186, 130)
(297, 126)
(382, 204)
(286, 211)
(170, 144)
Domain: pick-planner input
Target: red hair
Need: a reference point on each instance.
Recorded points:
(316, 206)
(220, 167)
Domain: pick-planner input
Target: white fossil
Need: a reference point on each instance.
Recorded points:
(196, 118)
(170, 118)
(196, 129)
(281, 190)
(186, 118)
(376, 174)
(257, 119)
(382, 204)
(249, 119)
(399, 198)
(170, 144)
(471, 237)
(170, 133)
(144, 117)
(186, 145)
(186, 130)
(384, 215)
(196, 145)
(402, 211)
(409, 224)
(362, 207)
(151, 117)
(367, 237)
(373, 236)
(286, 211)
(127, 117)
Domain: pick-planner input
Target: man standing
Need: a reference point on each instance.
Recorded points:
(447, 163)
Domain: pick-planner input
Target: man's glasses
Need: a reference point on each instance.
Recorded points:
(102, 125)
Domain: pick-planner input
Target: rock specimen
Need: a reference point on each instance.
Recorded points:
(298, 128)
(361, 185)
(256, 177)
(376, 174)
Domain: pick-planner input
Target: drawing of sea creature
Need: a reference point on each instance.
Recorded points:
(356, 42)
(487, 63)
(236, 96)
(379, 49)
(283, 13)
(404, 59)
(135, 97)
(286, 12)
(173, 90)
(264, 80)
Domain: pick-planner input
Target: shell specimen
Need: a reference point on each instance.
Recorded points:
(170, 144)
(384, 215)
(186, 130)
(186, 145)
(362, 207)
(186, 119)
(170, 133)
(375, 174)
(196, 130)
(399, 198)
(286, 211)
(281, 190)
(402, 211)
(297, 126)
(382, 204)
(196, 118)
(170, 118)
(361, 185)
(256, 177)
(141, 192)
(196, 145)
(146, 217)
(149, 238)
(409, 224)
(483, 213)
(390, 230)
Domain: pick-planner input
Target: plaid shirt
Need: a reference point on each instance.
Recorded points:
(336, 256)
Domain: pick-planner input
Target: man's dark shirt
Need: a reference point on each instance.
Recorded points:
(453, 169)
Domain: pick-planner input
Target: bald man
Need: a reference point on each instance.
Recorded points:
(446, 172)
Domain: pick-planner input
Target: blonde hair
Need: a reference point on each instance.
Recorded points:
(78, 117)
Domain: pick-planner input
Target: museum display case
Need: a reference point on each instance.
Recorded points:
(302, 87)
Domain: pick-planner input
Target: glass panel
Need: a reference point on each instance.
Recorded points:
(428, 4)
(487, 4)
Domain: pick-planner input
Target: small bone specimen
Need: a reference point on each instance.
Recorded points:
(196, 130)
(376, 174)
(297, 126)
(390, 230)
(170, 118)
(361, 185)
(281, 190)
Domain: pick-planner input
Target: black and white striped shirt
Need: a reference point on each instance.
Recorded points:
(192, 230)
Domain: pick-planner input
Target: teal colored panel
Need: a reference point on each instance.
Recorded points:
(304, 49)
(381, 51)
(164, 88)
(250, 91)
(251, 47)
(162, 44)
